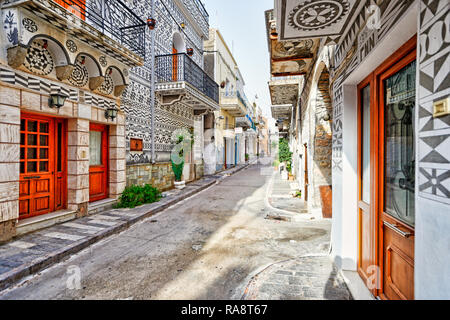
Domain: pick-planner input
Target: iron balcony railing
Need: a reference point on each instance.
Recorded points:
(202, 9)
(179, 67)
(112, 18)
(235, 94)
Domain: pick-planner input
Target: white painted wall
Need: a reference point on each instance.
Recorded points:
(345, 219)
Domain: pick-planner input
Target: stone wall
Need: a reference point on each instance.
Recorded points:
(323, 138)
(9, 160)
(159, 175)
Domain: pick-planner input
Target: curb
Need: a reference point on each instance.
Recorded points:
(15, 275)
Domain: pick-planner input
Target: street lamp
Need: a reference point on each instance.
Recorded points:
(111, 113)
(57, 100)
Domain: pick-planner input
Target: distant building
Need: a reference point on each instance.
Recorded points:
(231, 121)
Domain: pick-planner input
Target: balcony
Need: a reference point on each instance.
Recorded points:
(179, 78)
(202, 9)
(107, 25)
(285, 90)
(243, 122)
(282, 113)
(233, 103)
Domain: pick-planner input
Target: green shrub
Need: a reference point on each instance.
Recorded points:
(178, 170)
(284, 154)
(135, 196)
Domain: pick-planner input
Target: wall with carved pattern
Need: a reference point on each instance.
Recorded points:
(136, 98)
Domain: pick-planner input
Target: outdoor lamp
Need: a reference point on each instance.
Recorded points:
(190, 52)
(151, 23)
(111, 113)
(182, 25)
(57, 100)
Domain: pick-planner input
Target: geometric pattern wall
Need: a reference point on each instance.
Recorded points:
(361, 40)
(136, 98)
(434, 85)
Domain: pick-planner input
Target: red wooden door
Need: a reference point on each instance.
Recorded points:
(386, 164)
(98, 162)
(366, 225)
(77, 7)
(175, 65)
(60, 151)
(36, 191)
(397, 177)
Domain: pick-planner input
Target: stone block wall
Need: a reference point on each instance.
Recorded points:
(159, 175)
(323, 135)
(78, 165)
(9, 160)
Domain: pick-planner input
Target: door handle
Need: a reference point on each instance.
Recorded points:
(31, 178)
(396, 229)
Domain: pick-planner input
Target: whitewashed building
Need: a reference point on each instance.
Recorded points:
(387, 67)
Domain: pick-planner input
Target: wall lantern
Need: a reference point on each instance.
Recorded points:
(57, 100)
(190, 52)
(222, 84)
(151, 23)
(182, 25)
(274, 35)
(111, 113)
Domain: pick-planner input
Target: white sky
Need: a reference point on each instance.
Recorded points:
(242, 24)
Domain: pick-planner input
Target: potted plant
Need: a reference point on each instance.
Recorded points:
(247, 157)
(276, 163)
(182, 139)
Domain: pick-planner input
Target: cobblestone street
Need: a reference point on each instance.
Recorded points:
(305, 278)
(204, 248)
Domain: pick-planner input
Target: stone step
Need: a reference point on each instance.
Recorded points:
(100, 206)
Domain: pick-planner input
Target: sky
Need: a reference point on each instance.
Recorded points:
(242, 25)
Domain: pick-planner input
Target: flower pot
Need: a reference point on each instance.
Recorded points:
(180, 185)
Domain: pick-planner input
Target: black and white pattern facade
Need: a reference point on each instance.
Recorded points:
(169, 14)
(433, 86)
(365, 39)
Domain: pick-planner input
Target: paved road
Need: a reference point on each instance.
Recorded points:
(206, 247)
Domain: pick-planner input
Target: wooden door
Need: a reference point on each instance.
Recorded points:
(386, 164)
(225, 153)
(98, 162)
(306, 173)
(76, 7)
(175, 65)
(37, 167)
(366, 189)
(397, 92)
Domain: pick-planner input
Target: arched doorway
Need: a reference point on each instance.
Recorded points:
(178, 47)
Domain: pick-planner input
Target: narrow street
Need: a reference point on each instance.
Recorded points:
(206, 247)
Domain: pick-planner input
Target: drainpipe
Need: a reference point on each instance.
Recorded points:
(152, 89)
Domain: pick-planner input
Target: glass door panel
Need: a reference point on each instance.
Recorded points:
(365, 154)
(399, 160)
(95, 148)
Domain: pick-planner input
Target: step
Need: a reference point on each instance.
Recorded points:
(44, 221)
(101, 205)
